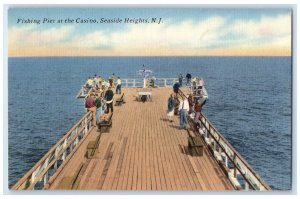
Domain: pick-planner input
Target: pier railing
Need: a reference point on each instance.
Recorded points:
(236, 167)
(160, 82)
(238, 171)
(39, 174)
(138, 82)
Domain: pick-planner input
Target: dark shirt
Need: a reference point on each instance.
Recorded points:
(188, 76)
(98, 103)
(109, 95)
(171, 104)
(176, 87)
(90, 102)
(197, 107)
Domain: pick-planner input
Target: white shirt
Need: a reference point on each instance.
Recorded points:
(184, 105)
(119, 82)
(201, 82)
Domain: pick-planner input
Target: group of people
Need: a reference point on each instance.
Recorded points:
(186, 105)
(99, 99)
(98, 83)
(115, 83)
(188, 78)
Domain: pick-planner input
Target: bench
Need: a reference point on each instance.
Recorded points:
(69, 182)
(195, 146)
(92, 147)
(119, 100)
(107, 122)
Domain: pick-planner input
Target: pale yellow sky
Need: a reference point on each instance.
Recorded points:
(211, 36)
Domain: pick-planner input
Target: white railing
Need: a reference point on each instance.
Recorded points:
(138, 82)
(40, 173)
(238, 171)
(236, 166)
(160, 82)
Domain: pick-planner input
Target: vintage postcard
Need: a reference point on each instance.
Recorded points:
(161, 98)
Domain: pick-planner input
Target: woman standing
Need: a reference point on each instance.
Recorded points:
(197, 109)
(171, 104)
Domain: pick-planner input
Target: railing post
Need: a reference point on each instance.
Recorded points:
(86, 126)
(215, 146)
(55, 165)
(226, 158)
(165, 82)
(33, 177)
(133, 82)
(246, 186)
(174, 80)
(46, 178)
(76, 133)
(235, 171)
(64, 155)
(246, 183)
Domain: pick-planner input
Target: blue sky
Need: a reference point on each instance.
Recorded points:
(185, 31)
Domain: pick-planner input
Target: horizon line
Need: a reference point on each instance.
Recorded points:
(153, 56)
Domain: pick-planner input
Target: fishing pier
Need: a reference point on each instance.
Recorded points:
(141, 150)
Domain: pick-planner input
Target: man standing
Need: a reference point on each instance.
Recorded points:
(188, 78)
(183, 107)
(90, 105)
(119, 84)
(180, 77)
(109, 94)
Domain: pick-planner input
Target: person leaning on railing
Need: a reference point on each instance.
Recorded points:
(197, 109)
(90, 105)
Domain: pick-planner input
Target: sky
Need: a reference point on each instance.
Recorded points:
(181, 31)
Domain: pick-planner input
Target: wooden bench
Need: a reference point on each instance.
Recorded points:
(195, 145)
(92, 147)
(106, 123)
(69, 182)
(119, 100)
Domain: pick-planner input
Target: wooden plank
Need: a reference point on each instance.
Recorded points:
(104, 172)
(120, 163)
(144, 152)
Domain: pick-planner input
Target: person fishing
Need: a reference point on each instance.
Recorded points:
(90, 105)
(171, 105)
(197, 108)
(180, 78)
(188, 78)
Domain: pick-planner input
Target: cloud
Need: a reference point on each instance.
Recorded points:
(216, 35)
(185, 35)
(94, 40)
(264, 28)
(26, 38)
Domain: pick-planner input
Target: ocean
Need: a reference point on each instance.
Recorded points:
(249, 103)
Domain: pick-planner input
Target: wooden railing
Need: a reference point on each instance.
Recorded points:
(238, 171)
(40, 173)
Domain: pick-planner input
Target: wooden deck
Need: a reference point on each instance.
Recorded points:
(142, 151)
